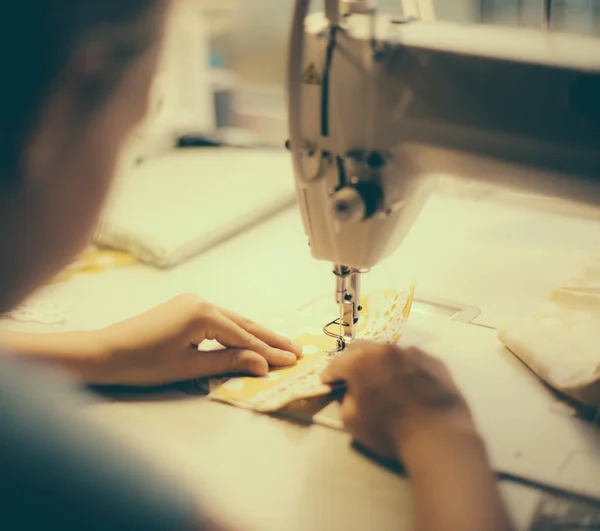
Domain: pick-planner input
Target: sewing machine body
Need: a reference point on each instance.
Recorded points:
(379, 106)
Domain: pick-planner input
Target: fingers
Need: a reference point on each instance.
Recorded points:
(336, 371)
(226, 361)
(349, 412)
(341, 367)
(217, 326)
(264, 334)
(353, 361)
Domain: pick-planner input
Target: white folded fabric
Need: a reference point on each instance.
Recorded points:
(560, 341)
(173, 207)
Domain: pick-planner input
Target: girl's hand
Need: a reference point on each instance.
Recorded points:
(403, 405)
(161, 346)
(396, 397)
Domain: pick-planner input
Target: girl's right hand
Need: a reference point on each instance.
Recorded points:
(396, 397)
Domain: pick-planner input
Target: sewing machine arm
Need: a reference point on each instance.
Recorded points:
(377, 105)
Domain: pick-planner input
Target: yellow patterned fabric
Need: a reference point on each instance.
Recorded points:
(384, 317)
(95, 260)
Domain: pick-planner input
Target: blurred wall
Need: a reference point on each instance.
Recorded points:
(253, 34)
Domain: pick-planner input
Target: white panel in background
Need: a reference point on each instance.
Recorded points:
(182, 97)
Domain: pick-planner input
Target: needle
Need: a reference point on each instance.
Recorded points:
(341, 343)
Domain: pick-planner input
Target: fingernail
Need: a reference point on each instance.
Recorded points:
(297, 348)
(290, 357)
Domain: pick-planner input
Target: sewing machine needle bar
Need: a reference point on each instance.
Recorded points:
(341, 342)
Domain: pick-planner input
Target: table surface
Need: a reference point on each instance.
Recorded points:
(268, 473)
(278, 474)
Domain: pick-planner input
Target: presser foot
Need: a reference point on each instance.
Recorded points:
(342, 335)
(347, 296)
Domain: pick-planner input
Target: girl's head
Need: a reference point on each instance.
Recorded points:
(75, 80)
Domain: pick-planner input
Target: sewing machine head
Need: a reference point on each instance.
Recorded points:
(377, 106)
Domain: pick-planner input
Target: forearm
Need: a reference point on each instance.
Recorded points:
(454, 485)
(99, 483)
(78, 352)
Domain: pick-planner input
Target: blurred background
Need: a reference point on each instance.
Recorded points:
(230, 64)
(252, 34)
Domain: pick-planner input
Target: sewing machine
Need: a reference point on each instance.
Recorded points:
(378, 106)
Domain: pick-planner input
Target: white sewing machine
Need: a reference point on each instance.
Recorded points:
(377, 105)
